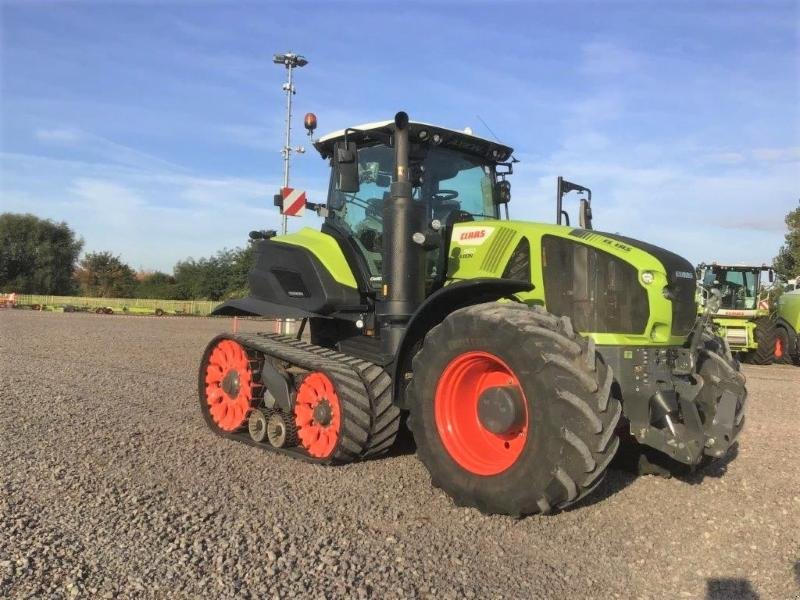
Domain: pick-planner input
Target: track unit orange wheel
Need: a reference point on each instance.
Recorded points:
(318, 415)
(481, 413)
(228, 385)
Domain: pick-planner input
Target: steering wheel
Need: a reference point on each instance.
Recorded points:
(445, 195)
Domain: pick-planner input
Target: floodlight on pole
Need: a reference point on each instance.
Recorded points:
(291, 61)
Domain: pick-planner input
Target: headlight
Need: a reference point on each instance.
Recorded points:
(648, 277)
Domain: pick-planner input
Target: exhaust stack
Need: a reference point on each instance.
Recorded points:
(403, 260)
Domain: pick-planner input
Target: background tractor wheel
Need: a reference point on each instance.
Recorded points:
(159, 312)
(511, 410)
(765, 334)
(782, 350)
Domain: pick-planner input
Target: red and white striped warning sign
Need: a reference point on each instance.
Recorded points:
(293, 202)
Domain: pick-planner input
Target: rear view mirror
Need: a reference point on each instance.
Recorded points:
(503, 195)
(585, 214)
(771, 275)
(345, 166)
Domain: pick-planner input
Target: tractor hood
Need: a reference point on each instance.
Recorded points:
(608, 284)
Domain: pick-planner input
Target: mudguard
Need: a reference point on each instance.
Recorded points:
(440, 304)
(255, 307)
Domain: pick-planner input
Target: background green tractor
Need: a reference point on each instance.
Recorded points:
(743, 317)
(787, 323)
(519, 351)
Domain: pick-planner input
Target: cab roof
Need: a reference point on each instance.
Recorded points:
(425, 133)
(739, 267)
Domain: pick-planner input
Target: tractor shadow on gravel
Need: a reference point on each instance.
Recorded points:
(632, 462)
(730, 589)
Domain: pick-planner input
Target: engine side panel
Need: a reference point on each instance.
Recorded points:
(296, 275)
(483, 249)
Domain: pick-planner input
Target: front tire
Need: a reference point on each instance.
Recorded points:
(554, 450)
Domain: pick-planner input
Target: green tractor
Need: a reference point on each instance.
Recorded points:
(787, 324)
(519, 352)
(743, 317)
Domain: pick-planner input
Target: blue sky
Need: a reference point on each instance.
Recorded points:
(154, 128)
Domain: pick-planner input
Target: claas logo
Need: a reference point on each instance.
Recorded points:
(473, 235)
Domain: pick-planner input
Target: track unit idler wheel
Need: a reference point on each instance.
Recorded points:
(257, 425)
(281, 431)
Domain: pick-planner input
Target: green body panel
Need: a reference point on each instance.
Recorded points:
(732, 329)
(326, 249)
(789, 309)
(482, 249)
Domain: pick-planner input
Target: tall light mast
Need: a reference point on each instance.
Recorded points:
(290, 61)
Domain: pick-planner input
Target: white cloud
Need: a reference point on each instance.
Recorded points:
(152, 218)
(102, 149)
(59, 135)
(777, 154)
(604, 59)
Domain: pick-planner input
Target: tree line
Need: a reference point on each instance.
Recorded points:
(40, 256)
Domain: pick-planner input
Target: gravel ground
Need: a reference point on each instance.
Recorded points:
(113, 487)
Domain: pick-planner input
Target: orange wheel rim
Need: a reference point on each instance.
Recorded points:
(318, 415)
(468, 442)
(229, 385)
(778, 348)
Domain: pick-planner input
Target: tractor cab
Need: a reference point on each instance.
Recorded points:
(742, 292)
(455, 177)
(743, 315)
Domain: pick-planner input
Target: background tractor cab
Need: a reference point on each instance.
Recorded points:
(743, 316)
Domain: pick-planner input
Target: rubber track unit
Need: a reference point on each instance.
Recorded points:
(581, 412)
(765, 334)
(370, 418)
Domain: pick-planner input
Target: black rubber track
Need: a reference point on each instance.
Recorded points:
(572, 414)
(765, 334)
(369, 425)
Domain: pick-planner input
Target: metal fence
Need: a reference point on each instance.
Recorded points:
(123, 305)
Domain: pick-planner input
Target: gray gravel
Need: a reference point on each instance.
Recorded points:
(113, 487)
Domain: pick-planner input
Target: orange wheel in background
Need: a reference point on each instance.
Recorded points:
(778, 347)
(318, 415)
(228, 385)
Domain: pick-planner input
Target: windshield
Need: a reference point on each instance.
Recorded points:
(739, 288)
(453, 188)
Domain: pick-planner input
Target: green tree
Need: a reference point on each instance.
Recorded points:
(220, 276)
(101, 274)
(787, 262)
(37, 256)
(156, 285)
